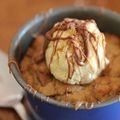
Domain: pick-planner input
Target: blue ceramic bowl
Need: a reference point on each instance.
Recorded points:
(47, 108)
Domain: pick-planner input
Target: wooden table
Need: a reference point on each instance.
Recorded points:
(14, 13)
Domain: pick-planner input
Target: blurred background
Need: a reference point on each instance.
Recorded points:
(14, 13)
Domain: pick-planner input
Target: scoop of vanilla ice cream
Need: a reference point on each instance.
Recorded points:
(76, 51)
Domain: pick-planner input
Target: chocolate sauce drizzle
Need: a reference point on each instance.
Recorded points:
(80, 47)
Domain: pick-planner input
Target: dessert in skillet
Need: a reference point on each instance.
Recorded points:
(70, 64)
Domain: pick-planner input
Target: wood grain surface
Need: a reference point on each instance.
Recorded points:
(14, 13)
